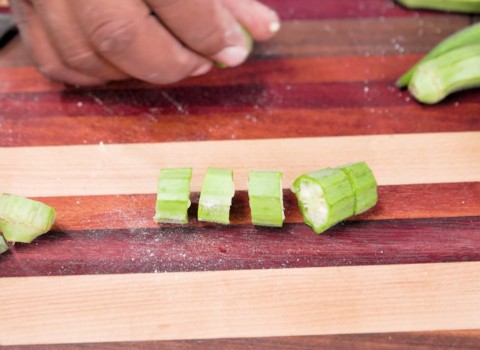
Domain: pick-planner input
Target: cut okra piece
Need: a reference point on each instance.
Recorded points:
(23, 220)
(173, 196)
(325, 198)
(216, 196)
(3, 245)
(363, 184)
(266, 198)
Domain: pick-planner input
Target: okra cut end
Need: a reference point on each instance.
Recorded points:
(173, 196)
(325, 198)
(364, 185)
(265, 194)
(216, 196)
(22, 219)
(3, 245)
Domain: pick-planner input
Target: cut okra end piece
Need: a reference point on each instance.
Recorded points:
(363, 184)
(265, 194)
(173, 196)
(216, 196)
(325, 198)
(22, 219)
(3, 245)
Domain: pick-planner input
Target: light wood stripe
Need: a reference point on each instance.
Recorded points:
(257, 303)
(133, 168)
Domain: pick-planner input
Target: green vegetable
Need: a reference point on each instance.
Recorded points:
(23, 220)
(325, 198)
(455, 70)
(363, 184)
(467, 36)
(466, 6)
(3, 245)
(216, 196)
(250, 45)
(266, 198)
(173, 196)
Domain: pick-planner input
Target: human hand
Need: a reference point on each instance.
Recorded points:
(91, 42)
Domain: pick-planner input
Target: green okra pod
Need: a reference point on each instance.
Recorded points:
(464, 6)
(462, 38)
(23, 220)
(453, 71)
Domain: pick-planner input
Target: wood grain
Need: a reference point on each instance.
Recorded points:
(244, 247)
(247, 124)
(361, 36)
(303, 9)
(133, 169)
(284, 71)
(258, 303)
(395, 202)
(322, 89)
(440, 340)
(116, 234)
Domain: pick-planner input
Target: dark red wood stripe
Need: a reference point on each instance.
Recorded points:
(116, 234)
(308, 9)
(206, 99)
(274, 71)
(463, 339)
(304, 9)
(196, 99)
(277, 112)
(136, 211)
(214, 247)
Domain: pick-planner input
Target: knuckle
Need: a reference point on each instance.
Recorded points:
(215, 37)
(112, 34)
(52, 71)
(79, 60)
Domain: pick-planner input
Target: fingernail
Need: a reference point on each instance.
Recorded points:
(202, 70)
(232, 56)
(274, 27)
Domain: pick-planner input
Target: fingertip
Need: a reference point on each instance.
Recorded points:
(232, 56)
(203, 69)
(261, 21)
(268, 22)
(274, 27)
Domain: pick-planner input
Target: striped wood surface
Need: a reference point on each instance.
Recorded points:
(404, 275)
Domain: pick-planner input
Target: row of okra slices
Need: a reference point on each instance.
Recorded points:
(325, 197)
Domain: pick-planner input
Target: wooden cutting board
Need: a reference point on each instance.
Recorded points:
(404, 275)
